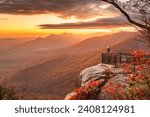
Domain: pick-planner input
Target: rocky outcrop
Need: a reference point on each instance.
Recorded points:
(108, 75)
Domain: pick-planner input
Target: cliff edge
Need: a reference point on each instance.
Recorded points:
(106, 80)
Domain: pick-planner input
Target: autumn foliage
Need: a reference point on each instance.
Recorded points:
(136, 86)
(90, 91)
(139, 76)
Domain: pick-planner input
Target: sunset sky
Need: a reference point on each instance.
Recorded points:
(42, 17)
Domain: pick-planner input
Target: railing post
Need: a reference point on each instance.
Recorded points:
(102, 57)
(120, 57)
(115, 60)
(108, 58)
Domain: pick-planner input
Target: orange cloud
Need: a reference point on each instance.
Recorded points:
(96, 24)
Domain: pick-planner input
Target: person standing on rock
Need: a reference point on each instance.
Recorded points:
(108, 49)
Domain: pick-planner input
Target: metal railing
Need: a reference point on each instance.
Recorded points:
(117, 58)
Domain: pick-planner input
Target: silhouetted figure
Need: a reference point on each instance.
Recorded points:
(108, 56)
(108, 49)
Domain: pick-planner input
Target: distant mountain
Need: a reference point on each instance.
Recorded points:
(57, 76)
(135, 43)
(9, 42)
(100, 43)
(53, 41)
(22, 55)
(98, 34)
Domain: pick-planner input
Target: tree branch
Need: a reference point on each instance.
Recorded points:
(112, 2)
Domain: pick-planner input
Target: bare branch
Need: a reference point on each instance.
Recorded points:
(114, 3)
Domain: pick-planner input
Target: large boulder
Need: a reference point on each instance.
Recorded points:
(116, 81)
(98, 72)
(109, 75)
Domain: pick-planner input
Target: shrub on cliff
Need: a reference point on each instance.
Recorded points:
(138, 72)
(138, 82)
(139, 76)
(7, 92)
(88, 92)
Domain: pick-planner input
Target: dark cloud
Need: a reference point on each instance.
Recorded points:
(100, 23)
(63, 8)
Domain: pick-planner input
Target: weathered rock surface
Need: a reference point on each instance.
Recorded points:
(98, 72)
(117, 80)
(103, 72)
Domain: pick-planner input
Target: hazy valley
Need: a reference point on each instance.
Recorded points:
(48, 68)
